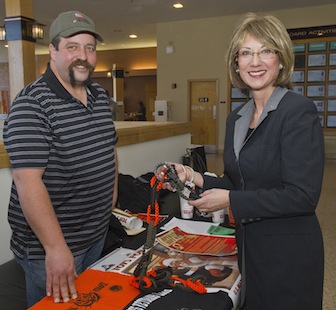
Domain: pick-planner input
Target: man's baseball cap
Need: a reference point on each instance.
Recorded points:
(70, 23)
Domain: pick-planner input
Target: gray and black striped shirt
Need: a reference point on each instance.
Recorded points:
(47, 128)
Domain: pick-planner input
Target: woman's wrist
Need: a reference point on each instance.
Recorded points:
(184, 171)
(188, 178)
(192, 177)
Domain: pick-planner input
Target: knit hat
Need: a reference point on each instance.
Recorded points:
(70, 23)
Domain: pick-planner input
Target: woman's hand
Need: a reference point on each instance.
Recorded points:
(212, 200)
(181, 173)
(184, 173)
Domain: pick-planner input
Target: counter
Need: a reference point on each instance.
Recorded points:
(130, 133)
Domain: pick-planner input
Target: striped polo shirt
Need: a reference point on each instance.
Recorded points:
(49, 129)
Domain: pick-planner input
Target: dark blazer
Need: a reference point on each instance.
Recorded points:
(275, 176)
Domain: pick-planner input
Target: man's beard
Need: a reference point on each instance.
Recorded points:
(83, 63)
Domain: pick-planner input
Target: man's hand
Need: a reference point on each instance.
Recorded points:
(61, 275)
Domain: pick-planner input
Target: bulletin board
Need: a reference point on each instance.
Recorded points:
(314, 73)
(315, 76)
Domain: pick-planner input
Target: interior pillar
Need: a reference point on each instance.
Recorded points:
(21, 52)
(118, 88)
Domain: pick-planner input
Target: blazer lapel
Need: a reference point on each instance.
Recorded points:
(243, 123)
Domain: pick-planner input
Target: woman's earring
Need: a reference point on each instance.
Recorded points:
(281, 66)
(237, 71)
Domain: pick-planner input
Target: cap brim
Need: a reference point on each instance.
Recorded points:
(73, 31)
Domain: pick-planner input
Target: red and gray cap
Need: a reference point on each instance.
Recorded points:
(70, 23)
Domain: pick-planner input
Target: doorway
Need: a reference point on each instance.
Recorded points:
(203, 96)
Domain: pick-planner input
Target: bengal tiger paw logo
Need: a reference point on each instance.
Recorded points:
(86, 299)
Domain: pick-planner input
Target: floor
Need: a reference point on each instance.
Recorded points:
(326, 212)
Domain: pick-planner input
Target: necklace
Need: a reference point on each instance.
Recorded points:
(146, 280)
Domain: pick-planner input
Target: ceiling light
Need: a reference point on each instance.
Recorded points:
(133, 36)
(178, 5)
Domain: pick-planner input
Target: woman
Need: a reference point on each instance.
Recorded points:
(273, 158)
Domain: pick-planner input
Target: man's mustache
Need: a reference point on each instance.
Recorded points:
(83, 63)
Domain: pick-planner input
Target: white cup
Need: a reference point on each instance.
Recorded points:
(187, 211)
(218, 216)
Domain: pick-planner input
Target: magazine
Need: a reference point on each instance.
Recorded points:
(178, 239)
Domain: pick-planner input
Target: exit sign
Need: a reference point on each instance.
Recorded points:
(203, 99)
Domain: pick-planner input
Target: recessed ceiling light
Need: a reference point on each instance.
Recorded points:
(133, 36)
(178, 5)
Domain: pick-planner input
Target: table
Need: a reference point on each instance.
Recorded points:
(106, 290)
(176, 299)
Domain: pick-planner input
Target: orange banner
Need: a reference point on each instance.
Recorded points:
(97, 290)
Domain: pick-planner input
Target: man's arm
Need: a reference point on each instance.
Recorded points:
(40, 215)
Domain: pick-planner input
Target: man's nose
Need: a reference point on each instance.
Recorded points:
(82, 53)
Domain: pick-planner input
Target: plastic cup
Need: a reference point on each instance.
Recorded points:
(218, 216)
(187, 211)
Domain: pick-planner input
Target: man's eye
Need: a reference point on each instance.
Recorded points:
(91, 49)
(71, 47)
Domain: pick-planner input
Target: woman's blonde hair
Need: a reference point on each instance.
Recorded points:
(270, 32)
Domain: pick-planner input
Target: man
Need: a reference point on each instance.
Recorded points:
(61, 142)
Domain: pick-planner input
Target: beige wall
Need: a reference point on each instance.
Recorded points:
(131, 59)
(140, 64)
(199, 51)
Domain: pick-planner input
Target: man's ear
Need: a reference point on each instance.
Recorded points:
(52, 51)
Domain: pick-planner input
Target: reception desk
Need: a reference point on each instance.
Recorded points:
(136, 133)
(142, 145)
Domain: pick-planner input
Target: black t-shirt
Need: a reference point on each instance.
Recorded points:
(176, 298)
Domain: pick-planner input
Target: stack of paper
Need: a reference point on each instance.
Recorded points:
(192, 227)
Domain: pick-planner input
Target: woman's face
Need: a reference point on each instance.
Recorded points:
(258, 65)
